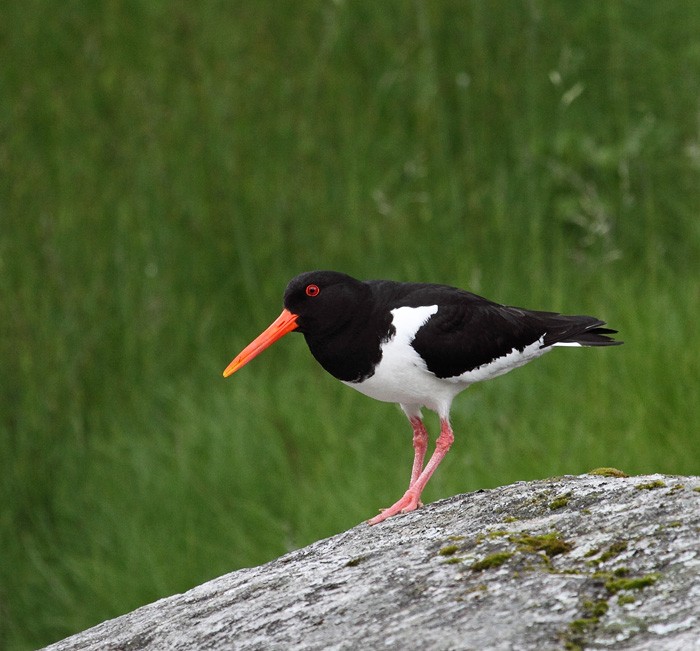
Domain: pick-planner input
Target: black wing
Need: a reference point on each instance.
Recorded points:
(460, 338)
(469, 331)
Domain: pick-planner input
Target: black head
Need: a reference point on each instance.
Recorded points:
(317, 303)
(324, 300)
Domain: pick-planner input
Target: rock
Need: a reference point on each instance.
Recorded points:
(594, 561)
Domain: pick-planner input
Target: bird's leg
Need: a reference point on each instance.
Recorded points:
(411, 498)
(420, 445)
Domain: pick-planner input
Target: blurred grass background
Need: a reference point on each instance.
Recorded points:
(166, 167)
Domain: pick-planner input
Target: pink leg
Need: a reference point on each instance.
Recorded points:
(420, 445)
(411, 498)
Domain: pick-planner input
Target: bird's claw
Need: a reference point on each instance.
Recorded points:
(409, 502)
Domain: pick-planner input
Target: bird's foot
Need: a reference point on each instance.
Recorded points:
(409, 502)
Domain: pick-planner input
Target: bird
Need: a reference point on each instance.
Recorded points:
(416, 344)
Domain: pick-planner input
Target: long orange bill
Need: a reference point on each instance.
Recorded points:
(284, 323)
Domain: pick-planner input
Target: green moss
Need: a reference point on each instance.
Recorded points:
(491, 561)
(625, 598)
(595, 608)
(455, 538)
(608, 472)
(453, 560)
(551, 543)
(615, 548)
(610, 575)
(560, 502)
(448, 550)
(510, 518)
(580, 625)
(592, 612)
(696, 489)
(497, 534)
(651, 485)
(615, 585)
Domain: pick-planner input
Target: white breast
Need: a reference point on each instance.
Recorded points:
(402, 376)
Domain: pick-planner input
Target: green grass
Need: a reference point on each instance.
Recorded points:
(166, 168)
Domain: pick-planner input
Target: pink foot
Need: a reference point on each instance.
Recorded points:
(409, 502)
(411, 499)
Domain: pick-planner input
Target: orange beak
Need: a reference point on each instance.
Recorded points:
(284, 323)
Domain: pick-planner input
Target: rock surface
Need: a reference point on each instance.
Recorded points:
(567, 563)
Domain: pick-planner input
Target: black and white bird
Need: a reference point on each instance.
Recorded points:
(417, 345)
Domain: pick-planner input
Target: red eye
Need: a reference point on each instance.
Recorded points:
(312, 290)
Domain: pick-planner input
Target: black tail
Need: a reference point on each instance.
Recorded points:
(595, 337)
(581, 330)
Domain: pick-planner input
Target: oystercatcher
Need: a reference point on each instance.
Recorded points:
(416, 344)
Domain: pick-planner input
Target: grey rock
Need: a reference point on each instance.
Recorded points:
(572, 562)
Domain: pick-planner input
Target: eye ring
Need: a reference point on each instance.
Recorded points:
(312, 290)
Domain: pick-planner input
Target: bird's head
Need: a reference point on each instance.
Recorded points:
(315, 302)
(323, 300)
